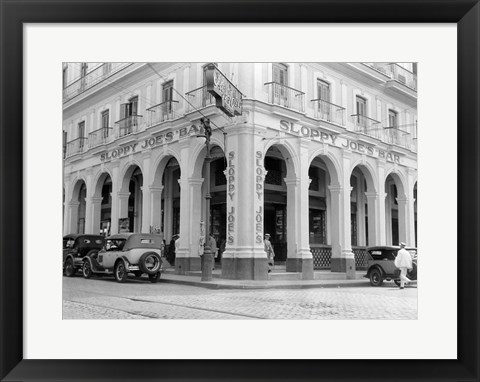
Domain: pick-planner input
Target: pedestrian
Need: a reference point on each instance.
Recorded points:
(403, 261)
(212, 243)
(270, 253)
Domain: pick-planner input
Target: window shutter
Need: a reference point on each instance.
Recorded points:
(123, 110)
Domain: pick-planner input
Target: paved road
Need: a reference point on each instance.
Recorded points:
(139, 299)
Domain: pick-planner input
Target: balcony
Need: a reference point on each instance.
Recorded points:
(162, 112)
(283, 95)
(76, 146)
(128, 125)
(393, 135)
(198, 99)
(100, 137)
(368, 126)
(327, 111)
(92, 78)
(403, 76)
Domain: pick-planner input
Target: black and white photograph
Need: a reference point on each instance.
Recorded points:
(240, 190)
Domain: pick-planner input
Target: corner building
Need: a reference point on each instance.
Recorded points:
(323, 157)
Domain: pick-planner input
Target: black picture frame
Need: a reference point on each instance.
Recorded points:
(465, 13)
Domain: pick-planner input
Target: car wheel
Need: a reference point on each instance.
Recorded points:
(120, 272)
(69, 268)
(87, 269)
(150, 263)
(376, 278)
(154, 278)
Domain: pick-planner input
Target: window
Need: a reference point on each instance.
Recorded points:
(280, 74)
(81, 133)
(392, 118)
(64, 144)
(105, 122)
(167, 96)
(323, 95)
(361, 111)
(65, 76)
(83, 69)
(273, 167)
(130, 108)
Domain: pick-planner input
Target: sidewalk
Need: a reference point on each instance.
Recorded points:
(278, 279)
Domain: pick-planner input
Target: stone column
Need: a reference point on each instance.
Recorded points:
(343, 259)
(381, 221)
(373, 218)
(73, 214)
(196, 214)
(122, 198)
(411, 209)
(146, 199)
(183, 255)
(361, 229)
(92, 214)
(115, 201)
(156, 205)
(244, 256)
(300, 259)
(66, 207)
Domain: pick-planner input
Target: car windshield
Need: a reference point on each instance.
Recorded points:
(68, 243)
(115, 244)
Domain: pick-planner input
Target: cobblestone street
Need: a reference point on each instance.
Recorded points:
(139, 299)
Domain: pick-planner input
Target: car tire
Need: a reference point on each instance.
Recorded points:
(120, 272)
(150, 263)
(376, 278)
(154, 278)
(87, 269)
(69, 267)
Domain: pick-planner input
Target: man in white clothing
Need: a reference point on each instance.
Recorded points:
(403, 261)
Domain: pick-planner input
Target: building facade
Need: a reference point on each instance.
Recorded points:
(323, 157)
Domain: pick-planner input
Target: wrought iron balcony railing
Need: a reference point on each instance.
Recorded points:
(394, 135)
(128, 125)
(76, 146)
(92, 78)
(199, 98)
(162, 112)
(327, 111)
(283, 95)
(99, 137)
(403, 76)
(367, 126)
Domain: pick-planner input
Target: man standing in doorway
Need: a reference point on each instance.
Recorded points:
(269, 249)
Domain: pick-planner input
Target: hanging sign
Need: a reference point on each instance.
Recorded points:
(228, 98)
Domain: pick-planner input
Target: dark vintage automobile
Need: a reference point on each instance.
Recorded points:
(76, 247)
(381, 265)
(137, 253)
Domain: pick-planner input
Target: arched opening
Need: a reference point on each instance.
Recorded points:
(170, 200)
(82, 208)
(275, 201)
(131, 201)
(218, 201)
(103, 205)
(319, 214)
(395, 210)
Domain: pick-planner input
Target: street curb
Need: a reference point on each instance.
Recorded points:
(210, 285)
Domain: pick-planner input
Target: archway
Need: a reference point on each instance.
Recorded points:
(131, 200)
(395, 210)
(102, 205)
(275, 201)
(78, 207)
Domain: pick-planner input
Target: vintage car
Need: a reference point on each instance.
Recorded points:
(76, 247)
(381, 265)
(124, 253)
